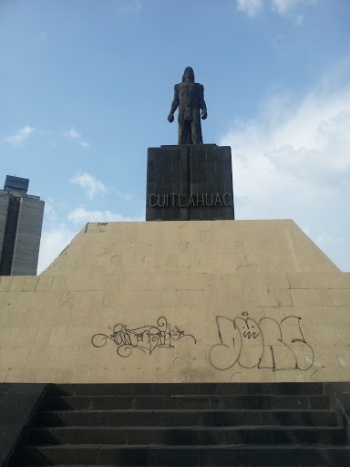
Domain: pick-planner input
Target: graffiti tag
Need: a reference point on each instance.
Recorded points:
(264, 344)
(145, 338)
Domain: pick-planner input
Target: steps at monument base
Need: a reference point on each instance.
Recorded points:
(186, 436)
(188, 402)
(287, 424)
(283, 455)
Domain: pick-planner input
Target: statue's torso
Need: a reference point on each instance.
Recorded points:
(189, 99)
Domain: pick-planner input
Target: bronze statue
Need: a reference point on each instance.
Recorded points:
(189, 98)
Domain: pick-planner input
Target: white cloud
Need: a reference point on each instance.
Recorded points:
(291, 8)
(18, 138)
(294, 9)
(284, 6)
(53, 242)
(82, 216)
(91, 186)
(293, 161)
(251, 7)
(125, 196)
(297, 144)
(72, 134)
(49, 207)
(130, 6)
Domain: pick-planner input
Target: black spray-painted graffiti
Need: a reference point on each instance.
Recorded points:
(145, 338)
(266, 343)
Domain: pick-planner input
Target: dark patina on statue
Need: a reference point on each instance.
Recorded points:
(189, 98)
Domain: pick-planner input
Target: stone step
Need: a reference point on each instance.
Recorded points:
(187, 436)
(175, 402)
(186, 388)
(205, 424)
(141, 455)
(188, 418)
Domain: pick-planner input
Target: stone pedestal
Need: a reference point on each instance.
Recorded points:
(189, 182)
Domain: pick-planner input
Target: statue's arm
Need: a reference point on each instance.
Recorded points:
(202, 104)
(174, 104)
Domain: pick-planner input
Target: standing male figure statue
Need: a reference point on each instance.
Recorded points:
(189, 98)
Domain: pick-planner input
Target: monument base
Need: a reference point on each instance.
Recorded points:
(189, 182)
(173, 302)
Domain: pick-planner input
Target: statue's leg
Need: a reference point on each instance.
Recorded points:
(196, 128)
(196, 132)
(186, 132)
(180, 134)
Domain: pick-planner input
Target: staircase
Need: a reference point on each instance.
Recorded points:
(282, 424)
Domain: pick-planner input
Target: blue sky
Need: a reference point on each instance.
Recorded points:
(86, 87)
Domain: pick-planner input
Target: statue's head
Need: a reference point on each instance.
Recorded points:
(188, 76)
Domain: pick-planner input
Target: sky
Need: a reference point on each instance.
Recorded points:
(86, 87)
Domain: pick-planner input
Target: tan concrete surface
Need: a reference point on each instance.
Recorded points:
(179, 302)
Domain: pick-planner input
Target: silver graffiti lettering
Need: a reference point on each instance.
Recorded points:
(267, 343)
(145, 338)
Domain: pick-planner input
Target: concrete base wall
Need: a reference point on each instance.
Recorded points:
(213, 301)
